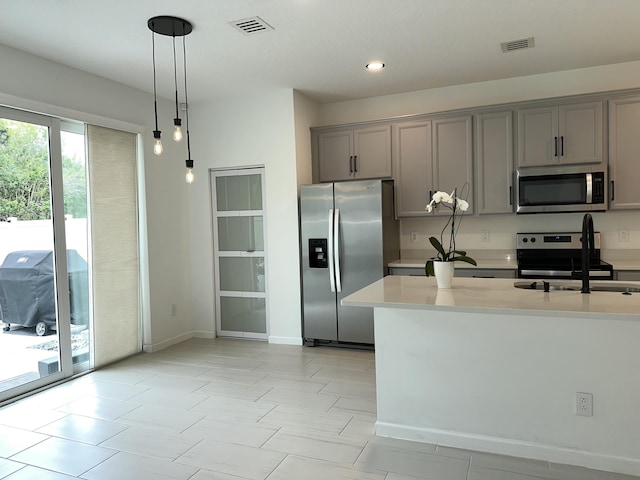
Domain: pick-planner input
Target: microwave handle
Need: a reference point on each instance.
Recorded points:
(589, 178)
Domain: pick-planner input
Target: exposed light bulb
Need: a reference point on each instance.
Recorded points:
(189, 177)
(177, 133)
(157, 146)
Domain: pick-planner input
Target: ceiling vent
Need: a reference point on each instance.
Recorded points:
(252, 25)
(517, 44)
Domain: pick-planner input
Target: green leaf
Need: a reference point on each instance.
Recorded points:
(465, 259)
(428, 269)
(438, 246)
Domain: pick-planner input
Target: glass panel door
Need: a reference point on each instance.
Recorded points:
(239, 246)
(74, 178)
(34, 303)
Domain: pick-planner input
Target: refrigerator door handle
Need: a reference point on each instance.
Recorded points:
(332, 277)
(336, 248)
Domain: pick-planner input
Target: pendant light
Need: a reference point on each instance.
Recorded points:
(157, 145)
(172, 27)
(189, 177)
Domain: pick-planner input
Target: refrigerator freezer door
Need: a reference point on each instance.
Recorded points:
(319, 302)
(361, 253)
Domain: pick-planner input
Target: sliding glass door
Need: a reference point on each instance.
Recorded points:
(44, 293)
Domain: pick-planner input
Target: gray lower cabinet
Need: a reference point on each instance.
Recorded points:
(561, 134)
(628, 275)
(431, 155)
(407, 271)
(624, 145)
(494, 162)
(348, 154)
(460, 271)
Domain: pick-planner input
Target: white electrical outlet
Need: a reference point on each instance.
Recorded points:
(174, 309)
(414, 237)
(584, 404)
(485, 236)
(623, 235)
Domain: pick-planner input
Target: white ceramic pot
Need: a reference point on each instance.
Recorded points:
(444, 273)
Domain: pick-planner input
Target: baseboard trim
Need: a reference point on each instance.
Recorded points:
(155, 347)
(285, 340)
(203, 334)
(505, 446)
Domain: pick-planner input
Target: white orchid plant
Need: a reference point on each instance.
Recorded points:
(457, 206)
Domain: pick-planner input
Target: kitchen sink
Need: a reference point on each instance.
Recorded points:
(544, 285)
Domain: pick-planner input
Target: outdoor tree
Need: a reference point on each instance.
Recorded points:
(24, 174)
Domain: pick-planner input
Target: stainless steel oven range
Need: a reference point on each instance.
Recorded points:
(558, 256)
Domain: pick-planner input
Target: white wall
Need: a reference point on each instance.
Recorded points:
(306, 115)
(33, 83)
(502, 230)
(555, 84)
(254, 130)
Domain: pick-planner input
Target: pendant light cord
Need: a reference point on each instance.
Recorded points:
(186, 98)
(175, 74)
(155, 96)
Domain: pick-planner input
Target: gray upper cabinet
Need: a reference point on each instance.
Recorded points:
(431, 155)
(412, 167)
(348, 154)
(494, 162)
(561, 134)
(624, 148)
(453, 158)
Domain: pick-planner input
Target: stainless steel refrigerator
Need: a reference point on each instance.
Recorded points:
(349, 234)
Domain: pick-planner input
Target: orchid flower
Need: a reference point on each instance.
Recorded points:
(455, 204)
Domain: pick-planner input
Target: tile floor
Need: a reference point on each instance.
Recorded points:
(230, 410)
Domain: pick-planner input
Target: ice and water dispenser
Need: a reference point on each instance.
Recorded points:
(318, 253)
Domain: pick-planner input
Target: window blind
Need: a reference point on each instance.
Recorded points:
(114, 243)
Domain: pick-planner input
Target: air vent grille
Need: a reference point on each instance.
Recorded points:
(517, 44)
(252, 25)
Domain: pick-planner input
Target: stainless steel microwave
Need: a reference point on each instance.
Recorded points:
(561, 189)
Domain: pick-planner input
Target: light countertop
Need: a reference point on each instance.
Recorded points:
(495, 295)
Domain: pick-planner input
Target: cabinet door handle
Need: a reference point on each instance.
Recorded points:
(350, 164)
(562, 146)
(355, 163)
(511, 195)
(613, 191)
(555, 146)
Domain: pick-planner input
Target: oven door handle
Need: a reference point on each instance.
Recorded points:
(547, 273)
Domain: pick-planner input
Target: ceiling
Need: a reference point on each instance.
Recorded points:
(320, 47)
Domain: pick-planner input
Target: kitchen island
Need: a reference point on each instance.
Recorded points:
(489, 367)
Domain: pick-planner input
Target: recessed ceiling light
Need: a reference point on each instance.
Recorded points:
(375, 66)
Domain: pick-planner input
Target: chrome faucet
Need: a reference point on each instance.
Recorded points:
(588, 248)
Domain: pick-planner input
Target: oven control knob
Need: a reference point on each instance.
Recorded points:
(525, 240)
(533, 239)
